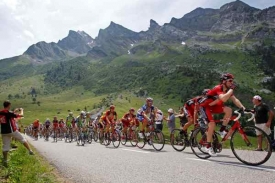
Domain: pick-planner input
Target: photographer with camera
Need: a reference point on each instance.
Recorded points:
(9, 130)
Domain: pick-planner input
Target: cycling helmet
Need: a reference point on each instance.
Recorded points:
(205, 91)
(226, 76)
(82, 113)
(132, 109)
(48, 119)
(112, 107)
(70, 113)
(149, 99)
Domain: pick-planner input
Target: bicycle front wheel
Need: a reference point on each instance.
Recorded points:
(245, 147)
(177, 140)
(140, 140)
(124, 138)
(116, 139)
(133, 138)
(158, 140)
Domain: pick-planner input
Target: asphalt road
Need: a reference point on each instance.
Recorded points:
(97, 163)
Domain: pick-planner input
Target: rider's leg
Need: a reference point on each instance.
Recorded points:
(227, 115)
(187, 125)
(144, 125)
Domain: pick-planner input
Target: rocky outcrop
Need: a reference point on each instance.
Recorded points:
(45, 51)
(79, 42)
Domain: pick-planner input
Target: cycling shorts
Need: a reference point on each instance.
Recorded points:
(47, 126)
(189, 110)
(206, 112)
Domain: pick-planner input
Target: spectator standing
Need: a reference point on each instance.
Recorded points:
(171, 121)
(263, 119)
(159, 120)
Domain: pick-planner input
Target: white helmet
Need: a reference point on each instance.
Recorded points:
(83, 113)
(170, 110)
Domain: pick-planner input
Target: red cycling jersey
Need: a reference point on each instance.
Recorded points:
(211, 96)
(127, 118)
(55, 123)
(190, 106)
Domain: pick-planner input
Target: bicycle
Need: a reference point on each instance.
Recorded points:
(47, 134)
(113, 136)
(155, 138)
(69, 135)
(130, 135)
(242, 142)
(55, 134)
(80, 138)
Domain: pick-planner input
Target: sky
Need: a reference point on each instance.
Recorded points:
(26, 22)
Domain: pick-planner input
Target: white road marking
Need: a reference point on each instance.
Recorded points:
(195, 159)
(135, 151)
(226, 163)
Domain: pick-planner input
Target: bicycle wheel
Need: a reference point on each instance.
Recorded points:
(245, 142)
(124, 138)
(133, 138)
(158, 139)
(140, 140)
(55, 136)
(107, 140)
(198, 143)
(177, 141)
(116, 139)
(95, 136)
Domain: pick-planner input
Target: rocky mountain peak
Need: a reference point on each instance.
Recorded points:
(77, 41)
(153, 25)
(237, 6)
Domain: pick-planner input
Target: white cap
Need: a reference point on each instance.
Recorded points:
(170, 110)
(257, 97)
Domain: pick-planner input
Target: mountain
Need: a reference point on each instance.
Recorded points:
(45, 51)
(198, 20)
(115, 39)
(77, 42)
(175, 60)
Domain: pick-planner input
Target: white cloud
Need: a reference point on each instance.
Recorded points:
(50, 20)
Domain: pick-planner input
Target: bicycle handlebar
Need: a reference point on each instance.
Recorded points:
(245, 112)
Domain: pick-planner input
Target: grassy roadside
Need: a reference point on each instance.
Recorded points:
(23, 167)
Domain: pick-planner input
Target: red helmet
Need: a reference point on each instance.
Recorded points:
(112, 107)
(226, 76)
(132, 109)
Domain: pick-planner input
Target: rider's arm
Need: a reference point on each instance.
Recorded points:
(226, 96)
(237, 102)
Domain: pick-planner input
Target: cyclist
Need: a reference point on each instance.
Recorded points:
(190, 109)
(47, 125)
(109, 118)
(55, 124)
(61, 126)
(129, 119)
(35, 127)
(80, 121)
(221, 93)
(70, 120)
(96, 123)
(146, 114)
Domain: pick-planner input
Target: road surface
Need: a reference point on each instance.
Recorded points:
(97, 163)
